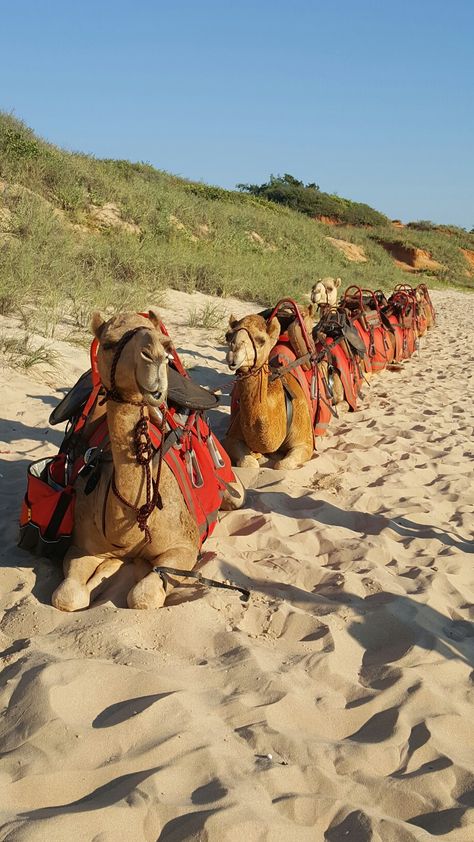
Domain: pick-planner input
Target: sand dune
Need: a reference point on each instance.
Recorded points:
(336, 705)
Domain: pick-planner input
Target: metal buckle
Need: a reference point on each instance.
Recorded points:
(194, 470)
(89, 456)
(215, 455)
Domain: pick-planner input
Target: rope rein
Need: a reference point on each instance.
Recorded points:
(142, 446)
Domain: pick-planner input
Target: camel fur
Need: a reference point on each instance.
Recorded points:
(106, 536)
(325, 291)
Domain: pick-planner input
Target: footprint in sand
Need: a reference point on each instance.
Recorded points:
(355, 827)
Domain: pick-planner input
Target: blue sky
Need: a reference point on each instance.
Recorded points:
(372, 100)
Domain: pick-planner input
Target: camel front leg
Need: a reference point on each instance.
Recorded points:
(105, 571)
(151, 591)
(235, 445)
(73, 593)
(240, 454)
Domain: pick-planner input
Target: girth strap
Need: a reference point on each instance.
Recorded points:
(288, 405)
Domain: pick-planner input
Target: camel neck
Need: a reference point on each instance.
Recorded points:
(253, 389)
(129, 475)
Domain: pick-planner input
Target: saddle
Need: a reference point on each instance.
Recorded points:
(183, 393)
(343, 347)
(295, 353)
(363, 309)
(336, 325)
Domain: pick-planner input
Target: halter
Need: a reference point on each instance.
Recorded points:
(143, 446)
(231, 334)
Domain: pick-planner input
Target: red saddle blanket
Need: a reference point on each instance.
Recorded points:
(312, 384)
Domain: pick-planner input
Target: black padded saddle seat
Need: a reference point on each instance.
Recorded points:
(284, 317)
(334, 327)
(182, 392)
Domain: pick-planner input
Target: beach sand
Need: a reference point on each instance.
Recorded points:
(336, 705)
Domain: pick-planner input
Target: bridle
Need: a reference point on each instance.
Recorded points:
(142, 443)
(230, 336)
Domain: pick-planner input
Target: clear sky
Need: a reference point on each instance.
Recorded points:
(372, 100)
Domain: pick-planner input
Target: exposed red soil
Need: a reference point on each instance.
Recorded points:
(409, 258)
(350, 250)
(327, 220)
(469, 255)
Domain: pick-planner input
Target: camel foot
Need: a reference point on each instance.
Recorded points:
(71, 596)
(148, 593)
(288, 464)
(247, 462)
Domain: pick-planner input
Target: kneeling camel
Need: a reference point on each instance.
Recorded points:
(132, 361)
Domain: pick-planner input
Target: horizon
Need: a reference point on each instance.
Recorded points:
(226, 96)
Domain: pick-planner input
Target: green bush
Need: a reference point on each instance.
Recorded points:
(308, 199)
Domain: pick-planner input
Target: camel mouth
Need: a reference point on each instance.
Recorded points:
(154, 398)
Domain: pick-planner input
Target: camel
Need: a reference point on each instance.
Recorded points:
(424, 305)
(106, 532)
(259, 426)
(325, 291)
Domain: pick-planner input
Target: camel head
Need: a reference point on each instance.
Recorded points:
(250, 341)
(141, 373)
(325, 291)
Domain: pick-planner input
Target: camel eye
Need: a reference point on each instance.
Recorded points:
(260, 340)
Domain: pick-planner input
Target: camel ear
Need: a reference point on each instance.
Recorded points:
(167, 344)
(233, 322)
(97, 325)
(338, 282)
(273, 329)
(156, 321)
(155, 318)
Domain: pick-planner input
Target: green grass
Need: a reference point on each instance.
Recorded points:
(209, 316)
(20, 354)
(55, 261)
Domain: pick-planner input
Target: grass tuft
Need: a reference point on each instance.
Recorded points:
(20, 354)
(209, 316)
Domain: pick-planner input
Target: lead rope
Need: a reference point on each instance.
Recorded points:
(142, 445)
(144, 452)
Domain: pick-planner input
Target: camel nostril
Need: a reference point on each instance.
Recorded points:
(147, 356)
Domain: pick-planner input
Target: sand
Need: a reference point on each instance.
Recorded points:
(336, 705)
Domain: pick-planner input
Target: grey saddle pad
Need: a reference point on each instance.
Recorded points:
(182, 392)
(340, 324)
